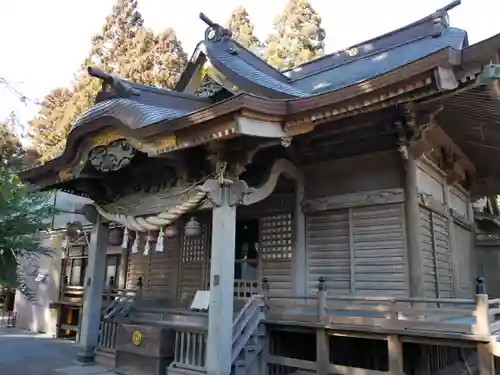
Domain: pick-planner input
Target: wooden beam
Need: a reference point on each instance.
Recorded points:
(363, 198)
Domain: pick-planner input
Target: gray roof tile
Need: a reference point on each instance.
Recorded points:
(379, 63)
(226, 53)
(130, 112)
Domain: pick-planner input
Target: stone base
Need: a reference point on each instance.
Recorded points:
(86, 356)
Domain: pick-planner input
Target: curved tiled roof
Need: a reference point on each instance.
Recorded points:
(130, 112)
(337, 70)
(381, 62)
(240, 68)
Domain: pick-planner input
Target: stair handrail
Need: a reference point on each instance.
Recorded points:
(120, 303)
(249, 316)
(251, 304)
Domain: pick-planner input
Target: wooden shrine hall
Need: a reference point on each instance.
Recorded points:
(312, 221)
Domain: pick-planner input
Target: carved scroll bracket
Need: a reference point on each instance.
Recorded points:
(212, 189)
(241, 193)
(411, 132)
(280, 167)
(216, 192)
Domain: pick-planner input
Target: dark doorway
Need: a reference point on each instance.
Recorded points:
(246, 265)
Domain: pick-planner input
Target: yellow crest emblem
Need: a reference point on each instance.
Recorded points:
(136, 338)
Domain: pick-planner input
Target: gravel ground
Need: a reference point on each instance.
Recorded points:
(28, 353)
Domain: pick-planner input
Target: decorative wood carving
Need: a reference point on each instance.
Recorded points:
(280, 167)
(208, 87)
(433, 204)
(110, 158)
(364, 198)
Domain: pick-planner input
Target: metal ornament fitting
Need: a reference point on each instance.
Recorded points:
(192, 228)
(286, 141)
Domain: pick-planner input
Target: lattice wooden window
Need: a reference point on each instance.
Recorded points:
(276, 232)
(193, 249)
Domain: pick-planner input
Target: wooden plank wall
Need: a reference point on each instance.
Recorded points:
(163, 270)
(355, 226)
(464, 235)
(446, 235)
(158, 270)
(359, 250)
(138, 266)
(435, 249)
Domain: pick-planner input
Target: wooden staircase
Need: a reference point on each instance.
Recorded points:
(247, 348)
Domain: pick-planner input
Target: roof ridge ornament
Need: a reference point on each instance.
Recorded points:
(441, 15)
(215, 32)
(121, 88)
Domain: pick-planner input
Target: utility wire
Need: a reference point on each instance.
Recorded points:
(22, 98)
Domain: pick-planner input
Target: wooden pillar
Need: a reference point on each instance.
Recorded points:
(454, 251)
(395, 349)
(299, 257)
(322, 352)
(485, 360)
(220, 313)
(123, 267)
(412, 213)
(486, 363)
(94, 285)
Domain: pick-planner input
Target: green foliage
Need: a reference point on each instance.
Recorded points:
(297, 36)
(242, 28)
(23, 217)
(125, 48)
(11, 150)
(12, 153)
(44, 125)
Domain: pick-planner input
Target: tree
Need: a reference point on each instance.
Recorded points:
(297, 36)
(242, 28)
(45, 126)
(121, 26)
(125, 48)
(23, 216)
(155, 60)
(11, 149)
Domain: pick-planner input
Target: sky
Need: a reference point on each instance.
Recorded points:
(43, 42)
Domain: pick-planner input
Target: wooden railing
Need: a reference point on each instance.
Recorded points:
(246, 324)
(76, 293)
(190, 348)
(470, 316)
(107, 334)
(246, 288)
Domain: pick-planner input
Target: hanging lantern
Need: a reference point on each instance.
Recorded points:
(192, 228)
(125, 239)
(135, 245)
(115, 236)
(159, 242)
(171, 231)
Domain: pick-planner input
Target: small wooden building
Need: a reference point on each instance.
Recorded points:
(326, 209)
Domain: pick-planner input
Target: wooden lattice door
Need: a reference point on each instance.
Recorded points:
(276, 239)
(193, 262)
